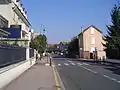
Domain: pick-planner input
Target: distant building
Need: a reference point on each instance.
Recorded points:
(35, 34)
(63, 46)
(18, 23)
(91, 43)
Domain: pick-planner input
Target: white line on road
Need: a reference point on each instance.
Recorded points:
(66, 64)
(69, 61)
(106, 76)
(118, 81)
(86, 64)
(59, 64)
(73, 63)
(113, 79)
(79, 64)
(89, 69)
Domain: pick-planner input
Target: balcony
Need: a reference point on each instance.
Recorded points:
(24, 28)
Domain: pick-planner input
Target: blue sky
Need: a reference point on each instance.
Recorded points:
(63, 19)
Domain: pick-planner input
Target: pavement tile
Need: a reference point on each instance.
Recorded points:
(38, 77)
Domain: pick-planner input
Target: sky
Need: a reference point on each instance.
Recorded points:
(63, 19)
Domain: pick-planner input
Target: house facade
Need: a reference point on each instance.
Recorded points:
(15, 13)
(91, 43)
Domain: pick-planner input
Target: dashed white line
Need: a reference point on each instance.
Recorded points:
(86, 64)
(106, 76)
(73, 63)
(118, 81)
(69, 61)
(89, 69)
(66, 64)
(113, 79)
(79, 63)
(109, 77)
(59, 64)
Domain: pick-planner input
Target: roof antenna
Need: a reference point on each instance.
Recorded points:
(81, 29)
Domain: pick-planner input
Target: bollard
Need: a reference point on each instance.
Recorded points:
(50, 61)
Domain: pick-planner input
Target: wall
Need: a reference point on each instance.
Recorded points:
(9, 75)
(98, 41)
(7, 12)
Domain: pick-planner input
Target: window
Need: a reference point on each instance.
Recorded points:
(92, 30)
(93, 40)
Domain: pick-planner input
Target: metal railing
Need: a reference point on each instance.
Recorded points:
(31, 54)
(11, 55)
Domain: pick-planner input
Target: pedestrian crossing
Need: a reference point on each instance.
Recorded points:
(69, 63)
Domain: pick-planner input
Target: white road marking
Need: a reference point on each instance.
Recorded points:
(59, 64)
(47, 64)
(118, 81)
(79, 63)
(113, 79)
(106, 76)
(66, 64)
(86, 64)
(53, 65)
(69, 61)
(73, 63)
(89, 69)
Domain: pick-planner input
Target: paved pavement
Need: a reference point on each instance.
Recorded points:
(39, 77)
(80, 75)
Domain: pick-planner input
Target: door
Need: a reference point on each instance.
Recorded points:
(91, 55)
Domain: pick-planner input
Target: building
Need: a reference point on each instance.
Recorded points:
(16, 15)
(91, 43)
(3, 26)
(35, 34)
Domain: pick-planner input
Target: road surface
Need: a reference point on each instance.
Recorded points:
(78, 75)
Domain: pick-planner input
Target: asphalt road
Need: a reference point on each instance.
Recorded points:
(78, 75)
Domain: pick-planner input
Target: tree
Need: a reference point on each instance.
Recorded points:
(113, 37)
(73, 48)
(39, 43)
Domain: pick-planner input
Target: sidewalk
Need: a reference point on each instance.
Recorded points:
(38, 77)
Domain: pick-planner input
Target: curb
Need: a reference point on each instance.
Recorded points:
(58, 81)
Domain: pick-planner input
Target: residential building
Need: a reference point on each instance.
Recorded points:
(91, 43)
(16, 15)
(3, 26)
(35, 34)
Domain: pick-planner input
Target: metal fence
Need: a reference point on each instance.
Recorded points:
(9, 55)
(31, 54)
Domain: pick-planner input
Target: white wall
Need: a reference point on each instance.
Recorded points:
(5, 11)
(7, 76)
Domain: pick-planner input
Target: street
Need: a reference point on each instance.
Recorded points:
(79, 75)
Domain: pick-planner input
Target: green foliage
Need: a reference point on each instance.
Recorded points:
(73, 48)
(39, 43)
(113, 37)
